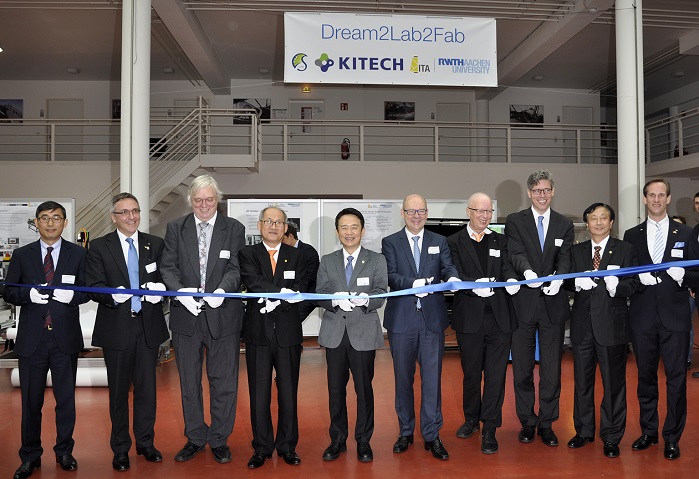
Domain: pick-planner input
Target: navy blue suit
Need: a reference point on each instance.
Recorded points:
(417, 335)
(40, 349)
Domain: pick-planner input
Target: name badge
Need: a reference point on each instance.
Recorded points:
(495, 253)
(363, 281)
(68, 279)
(433, 250)
(225, 254)
(612, 266)
(558, 242)
(150, 268)
(290, 274)
(677, 253)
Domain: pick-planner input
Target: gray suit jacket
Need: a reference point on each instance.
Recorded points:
(180, 269)
(363, 324)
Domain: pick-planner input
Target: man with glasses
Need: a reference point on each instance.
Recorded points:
(416, 257)
(483, 320)
(538, 242)
(273, 334)
(49, 336)
(201, 255)
(660, 319)
(128, 328)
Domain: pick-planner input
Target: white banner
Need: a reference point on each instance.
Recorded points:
(389, 49)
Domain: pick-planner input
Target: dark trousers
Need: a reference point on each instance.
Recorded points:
(32, 377)
(484, 355)
(286, 362)
(649, 346)
(550, 351)
(587, 353)
(134, 365)
(341, 361)
(222, 358)
(426, 348)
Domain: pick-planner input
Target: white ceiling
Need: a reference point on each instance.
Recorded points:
(571, 43)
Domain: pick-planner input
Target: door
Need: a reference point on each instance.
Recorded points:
(454, 140)
(308, 141)
(68, 139)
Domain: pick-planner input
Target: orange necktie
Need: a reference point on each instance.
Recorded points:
(272, 252)
(477, 236)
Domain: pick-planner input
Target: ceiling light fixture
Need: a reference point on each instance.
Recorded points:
(264, 71)
(73, 70)
(538, 77)
(1, 50)
(168, 70)
(677, 74)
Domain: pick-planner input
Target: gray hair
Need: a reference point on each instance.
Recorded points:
(264, 210)
(201, 182)
(537, 176)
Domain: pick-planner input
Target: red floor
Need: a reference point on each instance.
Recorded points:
(514, 460)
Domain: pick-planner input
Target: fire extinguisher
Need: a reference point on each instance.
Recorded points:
(344, 148)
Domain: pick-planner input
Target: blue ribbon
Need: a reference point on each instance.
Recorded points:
(431, 288)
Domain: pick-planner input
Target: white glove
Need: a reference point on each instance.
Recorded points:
(362, 299)
(453, 279)
(121, 297)
(676, 273)
(190, 302)
(585, 284)
(553, 288)
(215, 301)
(64, 296)
(37, 298)
(648, 279)
(418, 283)
(290, 301)
(270, 305)
(343, 304)
(483, 292)
(153, 287)
(611, 282)
(514, 289)
(529, 274)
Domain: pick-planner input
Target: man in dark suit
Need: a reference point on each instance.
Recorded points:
(273, 334)
(351, 331)
(49, 336)
(416, 257)
(538, 242)
(599, 330)
(660, 318)
(128, 330)
(482, 320)
(201, 254)
(310, 257)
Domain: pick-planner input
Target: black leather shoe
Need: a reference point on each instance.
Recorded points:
(526, 434)
(26, 469)
(364, 452)
(611, 449)
(644, 442)
(695, 374)
(548, 437)
(402, 444)
(258, 460)
(150, 453)
(489, 445)
(467, 429)
(222, 454)
(437, 449)
(188, 451)
(291, 458)
(579, 441)
(67, 462)
(121, 462)
(672, 450)
(333, 450)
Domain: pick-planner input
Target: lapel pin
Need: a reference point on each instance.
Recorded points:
(362, 261)
(285, 260)
(147, 246)
(674, 232)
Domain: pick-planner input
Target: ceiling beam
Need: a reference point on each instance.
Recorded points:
(189, 34)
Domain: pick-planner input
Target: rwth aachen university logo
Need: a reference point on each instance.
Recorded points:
(298, 62)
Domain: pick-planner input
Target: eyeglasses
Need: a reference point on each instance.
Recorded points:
(135, 212)
(541, 191)
(350, 228)
(420, 212)
(48, 219)
(209, 201)
(270, 223)
(481, 212)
